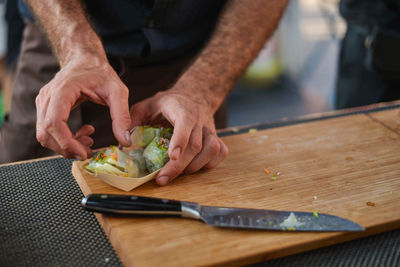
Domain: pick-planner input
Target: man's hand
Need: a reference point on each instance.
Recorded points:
(194, 144)
(78, 81)
(85, 75)
(240, 33)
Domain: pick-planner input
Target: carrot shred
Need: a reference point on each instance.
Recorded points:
(115, 155)
(266, 171)
(371, 204)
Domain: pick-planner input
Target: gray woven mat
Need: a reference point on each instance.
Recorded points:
(381, 250)
(42, 223)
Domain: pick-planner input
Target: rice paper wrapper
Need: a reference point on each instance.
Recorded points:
(137, 156)
(156, 154)
(143, 135)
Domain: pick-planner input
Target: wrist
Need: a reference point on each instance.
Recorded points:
(80, 44)
(83, 59)
(206, 91)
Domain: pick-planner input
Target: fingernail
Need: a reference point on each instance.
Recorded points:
(176, 153)
(128, 137)
(78, 157)
(163, 180)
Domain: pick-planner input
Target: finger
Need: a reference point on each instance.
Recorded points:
(180, 137)
(79, 101)
(61, 133)
(41, 107)
(51, 143)
(93, 96)
(223, 153)
(85, 141)
(138, 113)
(119, 110)
(88, 151)
(175, 167)
(85, 130)
(56, 125)
(211, 150)
(44, 138)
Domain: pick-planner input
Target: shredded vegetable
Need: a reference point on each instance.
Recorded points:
(112, 160)
(315, 213)
(291, 222)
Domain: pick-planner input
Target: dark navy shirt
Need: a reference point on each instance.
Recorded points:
(384, 13)
(150, 31)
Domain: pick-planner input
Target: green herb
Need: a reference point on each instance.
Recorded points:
(156, 153)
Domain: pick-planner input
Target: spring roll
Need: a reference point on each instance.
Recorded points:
(156, 153)
(143, 135)
(113, 161)
(137, 156)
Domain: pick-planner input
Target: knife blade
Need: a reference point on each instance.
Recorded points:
(218, 216)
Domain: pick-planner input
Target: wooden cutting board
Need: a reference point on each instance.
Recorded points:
(333, 166)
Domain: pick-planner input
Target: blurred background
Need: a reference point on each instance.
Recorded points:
(293, 75)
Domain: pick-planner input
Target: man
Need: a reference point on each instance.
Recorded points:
(179, 60)
(369, 68)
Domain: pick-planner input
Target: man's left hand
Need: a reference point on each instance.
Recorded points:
(194, 144)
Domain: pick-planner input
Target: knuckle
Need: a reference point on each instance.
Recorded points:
(122, 92)
(37, 100)
(136, 108)
(214, 146)
(125, 118)
(41, 137)
(64, 146)
(174, 170)
(49, 123)
(159, 94)
(196, 146)
(225, 151)
(66, 155)
(190, 169)
(186, 117)
(125, 91)
(208, 166)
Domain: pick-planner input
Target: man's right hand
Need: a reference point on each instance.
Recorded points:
(88, 78)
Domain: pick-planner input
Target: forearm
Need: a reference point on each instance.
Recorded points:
(241, 32)
(68, 30)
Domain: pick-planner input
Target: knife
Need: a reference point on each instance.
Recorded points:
(218, 216)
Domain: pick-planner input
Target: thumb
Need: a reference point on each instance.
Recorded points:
(119, 110)
(139, 112)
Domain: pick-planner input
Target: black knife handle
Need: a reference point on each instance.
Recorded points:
(131, 205)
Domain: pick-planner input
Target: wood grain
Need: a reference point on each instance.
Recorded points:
(389, 118)
(334, 166)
